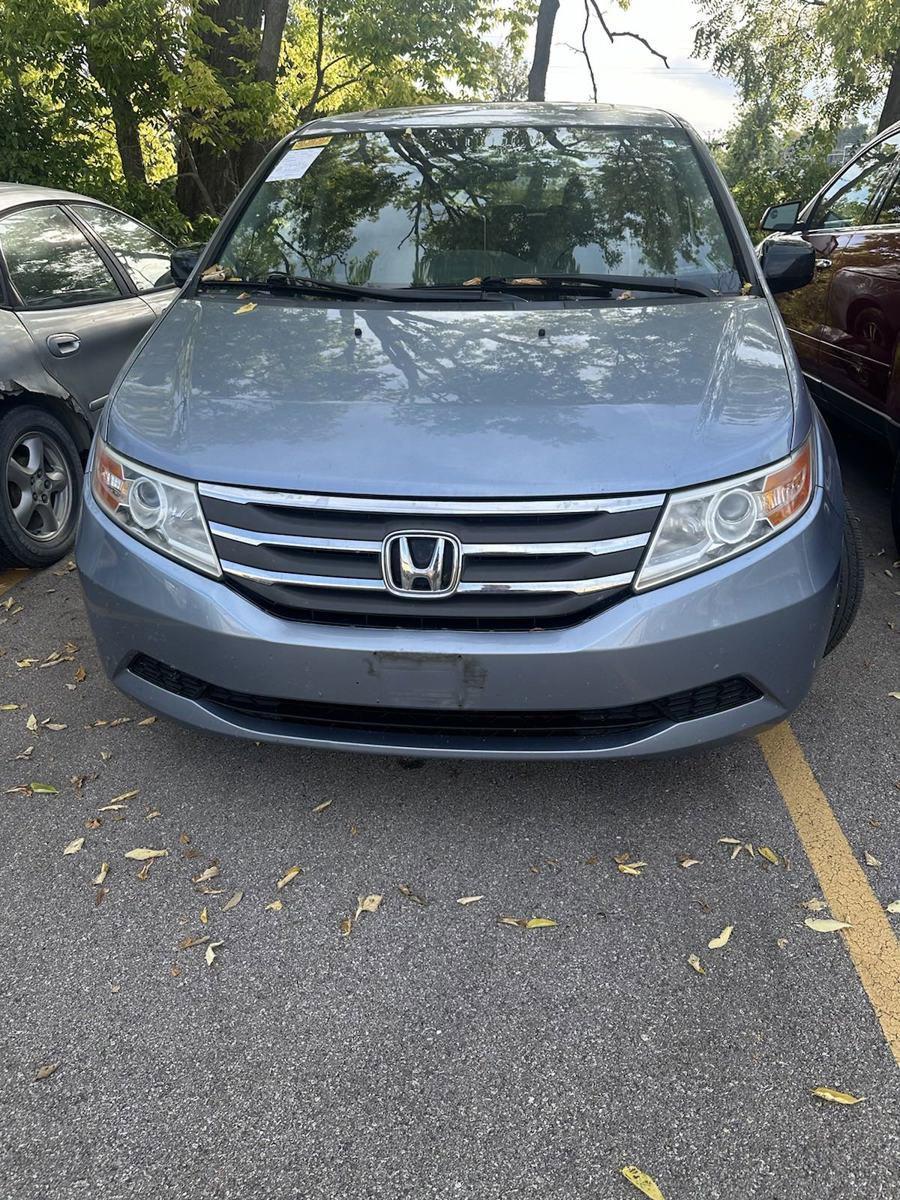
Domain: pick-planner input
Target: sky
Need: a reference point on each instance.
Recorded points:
(628, 74)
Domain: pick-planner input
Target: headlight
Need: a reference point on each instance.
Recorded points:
(157, 509)
(706, 525)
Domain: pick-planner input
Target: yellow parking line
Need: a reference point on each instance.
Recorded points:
(870, 939)
(11, 577)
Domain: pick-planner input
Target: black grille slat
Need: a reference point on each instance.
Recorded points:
(682, 706)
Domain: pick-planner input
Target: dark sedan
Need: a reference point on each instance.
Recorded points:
(80, 284)
(846, 323)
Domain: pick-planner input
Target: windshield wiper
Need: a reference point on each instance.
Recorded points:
(282, 282)
(604, 283)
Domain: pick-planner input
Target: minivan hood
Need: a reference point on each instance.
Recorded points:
(478, 402)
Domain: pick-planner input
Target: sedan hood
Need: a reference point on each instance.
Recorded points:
(478, 402)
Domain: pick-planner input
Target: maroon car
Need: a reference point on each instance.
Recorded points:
(846, 323)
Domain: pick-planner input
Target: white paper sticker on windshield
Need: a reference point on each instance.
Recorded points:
(295, 163)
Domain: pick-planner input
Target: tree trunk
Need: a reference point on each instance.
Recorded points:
(543, 40)
(125, 119)
(208, 173)
(890, 113)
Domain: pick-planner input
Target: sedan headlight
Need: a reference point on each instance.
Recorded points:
(157, 509)
(706, 525)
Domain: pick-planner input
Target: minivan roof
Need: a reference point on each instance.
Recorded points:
(521, 113)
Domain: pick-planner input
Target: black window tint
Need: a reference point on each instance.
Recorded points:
(50, 260)
(851, 197)
(143, 253)
(890, 210)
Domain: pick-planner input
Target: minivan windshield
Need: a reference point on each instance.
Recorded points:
(449, 207)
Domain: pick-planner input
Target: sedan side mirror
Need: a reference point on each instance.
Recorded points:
(781, 218)
(182, 261)
(788, 263)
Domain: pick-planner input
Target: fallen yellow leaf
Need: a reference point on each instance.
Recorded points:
(141, 854)
(31, 724)
(44, 789)
(245, 308)
(642, 1181)
(769, 855)
(46, 1071)
(729, 841)
(635, 868)
(836, 1097)
(717, 943)
(204, 916)
(211, 955)
(209, 873)
(469, 899)
(74, 846)
(872, 861)
(321, 807)
(689, 862)
(825, 924)
(275, 906)
(290, 874)
(100, 877)
(815, 905)
(694, 961)
(369, 904)
(233, 902)
(188, 943)
(540, 923)
(894, 906)
(346, 927)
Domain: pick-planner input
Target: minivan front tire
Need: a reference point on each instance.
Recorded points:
(40, 488)
(850, 586)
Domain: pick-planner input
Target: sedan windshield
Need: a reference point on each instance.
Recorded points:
(448, 207)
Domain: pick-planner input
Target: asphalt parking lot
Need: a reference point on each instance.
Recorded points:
(434, 1051)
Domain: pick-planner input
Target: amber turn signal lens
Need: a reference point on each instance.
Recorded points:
(786, 491)
(110, 486)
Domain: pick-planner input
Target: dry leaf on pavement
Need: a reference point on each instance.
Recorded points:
(894, 906)
(469, 899)
(540, 923)
(233, 902)
(44, 789)
(689, 862)
(405, 890)
(210, 873)
(369, 904)
(836, 1097)
(717, 943)
(32, 724)
(346, 927)
(629, 868)
(321, 807)
(290, 874)
(100, 877)
(142, 853)
(815, 905)
(275, 906)
(872, 861)
(46, 1071)
(825, 924)
(204, 916)
(211, 955)
(643, 1182)
(769, 855)
(694, 961)
(74, 846)
(189, 942)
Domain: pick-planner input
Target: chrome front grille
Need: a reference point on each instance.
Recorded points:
(524, 563)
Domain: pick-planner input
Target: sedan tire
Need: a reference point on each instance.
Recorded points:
(40, 488)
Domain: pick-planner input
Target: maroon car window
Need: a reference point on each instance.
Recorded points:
(890, 210)
(51, 262)
(853, 195)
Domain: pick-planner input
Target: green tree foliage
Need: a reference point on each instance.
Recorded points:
(165, 107)
(803, 70)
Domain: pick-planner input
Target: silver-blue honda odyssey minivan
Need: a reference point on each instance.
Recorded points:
(474, 430)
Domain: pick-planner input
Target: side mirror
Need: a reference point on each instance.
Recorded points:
(182, 261)
(788, 263)
(781, 218)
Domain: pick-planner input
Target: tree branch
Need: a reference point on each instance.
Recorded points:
(625, 33)
(584, 49)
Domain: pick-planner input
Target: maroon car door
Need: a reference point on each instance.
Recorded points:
(862, 318)
(840, 209)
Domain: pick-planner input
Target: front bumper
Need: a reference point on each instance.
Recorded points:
(764, 616)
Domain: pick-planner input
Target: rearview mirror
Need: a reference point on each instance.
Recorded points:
(781, 218)
(182, 261)
(788, 263)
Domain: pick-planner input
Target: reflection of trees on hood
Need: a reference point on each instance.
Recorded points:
(431, 206)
